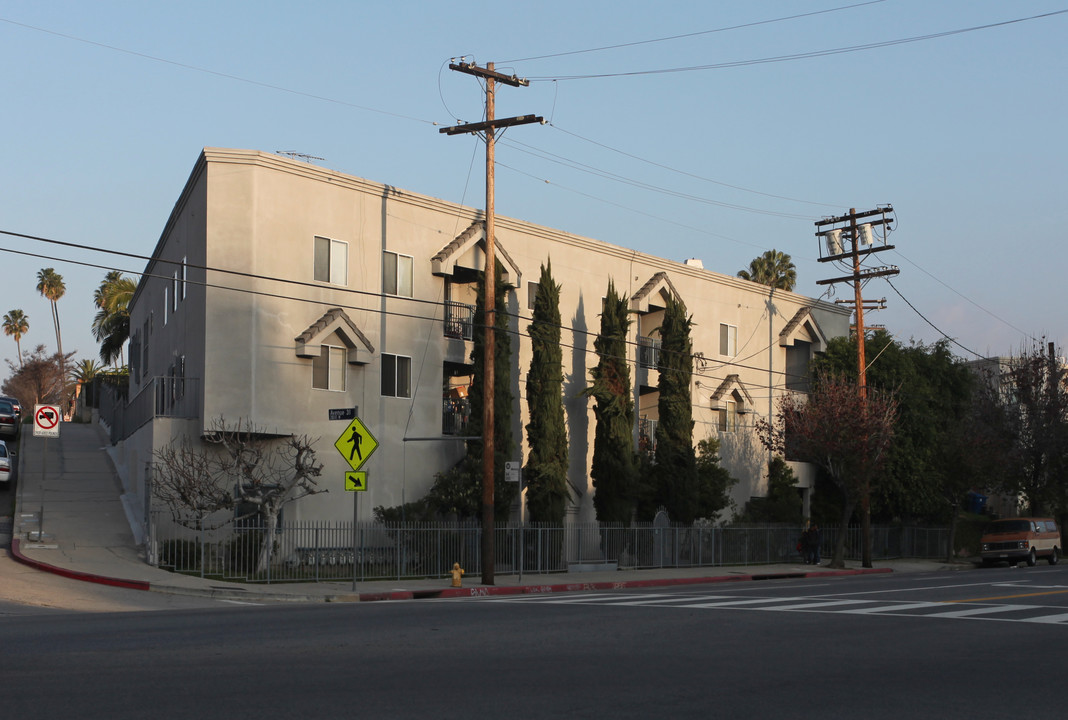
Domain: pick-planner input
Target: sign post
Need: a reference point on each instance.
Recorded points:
(46, 425)
(356, 444)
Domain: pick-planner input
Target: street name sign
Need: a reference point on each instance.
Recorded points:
(46, 421)
(341, 413)
(356, 444)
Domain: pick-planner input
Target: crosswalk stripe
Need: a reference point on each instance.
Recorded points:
(822, 604)
(737, 603)
(1051, 619)
(891, 608)
(984, 610)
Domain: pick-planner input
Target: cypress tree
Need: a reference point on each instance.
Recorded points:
(546, 468)
(675, 470)
(614, 468)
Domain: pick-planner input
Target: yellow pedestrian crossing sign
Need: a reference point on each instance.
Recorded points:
(356, 481)
(356, 444)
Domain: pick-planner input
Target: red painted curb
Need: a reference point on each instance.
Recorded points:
(16, 552)
(494, 590)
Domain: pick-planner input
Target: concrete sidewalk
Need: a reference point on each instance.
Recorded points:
(70, 520)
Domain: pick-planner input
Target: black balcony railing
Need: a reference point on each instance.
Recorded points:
(459, 321)
(648, 352)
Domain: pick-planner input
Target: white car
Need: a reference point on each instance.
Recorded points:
(5, 463)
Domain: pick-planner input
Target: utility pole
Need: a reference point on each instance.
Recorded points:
(833, 231)
(489, 127)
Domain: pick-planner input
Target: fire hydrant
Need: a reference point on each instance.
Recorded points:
(457, 575)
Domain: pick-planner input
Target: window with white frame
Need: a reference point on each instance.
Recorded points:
(328, 370)
(728, 340)
(184, 277)
(729, 416)
(331, 261)
(396, 274)
(166, 304)
(174, 292)
(396, 376)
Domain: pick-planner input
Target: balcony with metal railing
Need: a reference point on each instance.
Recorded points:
(459, 320)
(648, 352)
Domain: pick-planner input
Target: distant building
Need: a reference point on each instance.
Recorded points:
(279, 291)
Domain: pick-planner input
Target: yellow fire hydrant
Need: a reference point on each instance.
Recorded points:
(457, 575)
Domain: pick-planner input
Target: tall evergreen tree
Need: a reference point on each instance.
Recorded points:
(546, 468)
(614, 467)
(675, 471)
(504, 493)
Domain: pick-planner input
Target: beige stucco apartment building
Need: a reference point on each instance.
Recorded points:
(279, 291)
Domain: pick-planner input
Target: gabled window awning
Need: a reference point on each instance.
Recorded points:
(803, 326)
(474, 238)
(335, 323)
(653, 294)
(730, 383)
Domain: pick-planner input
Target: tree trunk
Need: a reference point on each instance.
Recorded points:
(271, 516)
(839, 547)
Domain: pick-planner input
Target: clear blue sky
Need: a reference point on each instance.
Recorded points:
(107, 104)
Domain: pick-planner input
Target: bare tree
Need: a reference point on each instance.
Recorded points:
(844, 434)
(248, 470)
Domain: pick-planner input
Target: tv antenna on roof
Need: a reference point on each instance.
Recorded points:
(299, 156)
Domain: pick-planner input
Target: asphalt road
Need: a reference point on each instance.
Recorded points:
(982, 644)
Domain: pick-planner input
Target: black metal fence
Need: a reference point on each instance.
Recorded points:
(303, 552)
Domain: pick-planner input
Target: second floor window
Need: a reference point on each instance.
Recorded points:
(328, 370)
(396, 376)
(396, 274)
(331, 261)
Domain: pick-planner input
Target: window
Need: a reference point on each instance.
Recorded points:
(648, 352)
(728, 417)
(184, 277)
(396, 376)
(532, 294)
(144, 348)
(396, 274)
(328, 370)
(174, 292)
(728, 340)
(331, 261)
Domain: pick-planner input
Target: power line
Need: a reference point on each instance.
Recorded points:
(216, 73)
(689, 174)
(795, 56)
(694, 34)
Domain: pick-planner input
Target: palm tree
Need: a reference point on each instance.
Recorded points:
(111, 326)
(50, 285)
(17, 324)
(774, 269)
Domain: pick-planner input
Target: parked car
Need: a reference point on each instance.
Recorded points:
(9, 420)
(14, 402)
(1014, 540)
(5, 463)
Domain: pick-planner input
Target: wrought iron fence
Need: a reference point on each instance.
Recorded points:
(311, 552)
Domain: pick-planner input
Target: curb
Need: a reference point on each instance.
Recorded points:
(16, 552)
(432, 594)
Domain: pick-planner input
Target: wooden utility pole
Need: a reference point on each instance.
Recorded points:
(851, 231)
(489, 127)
